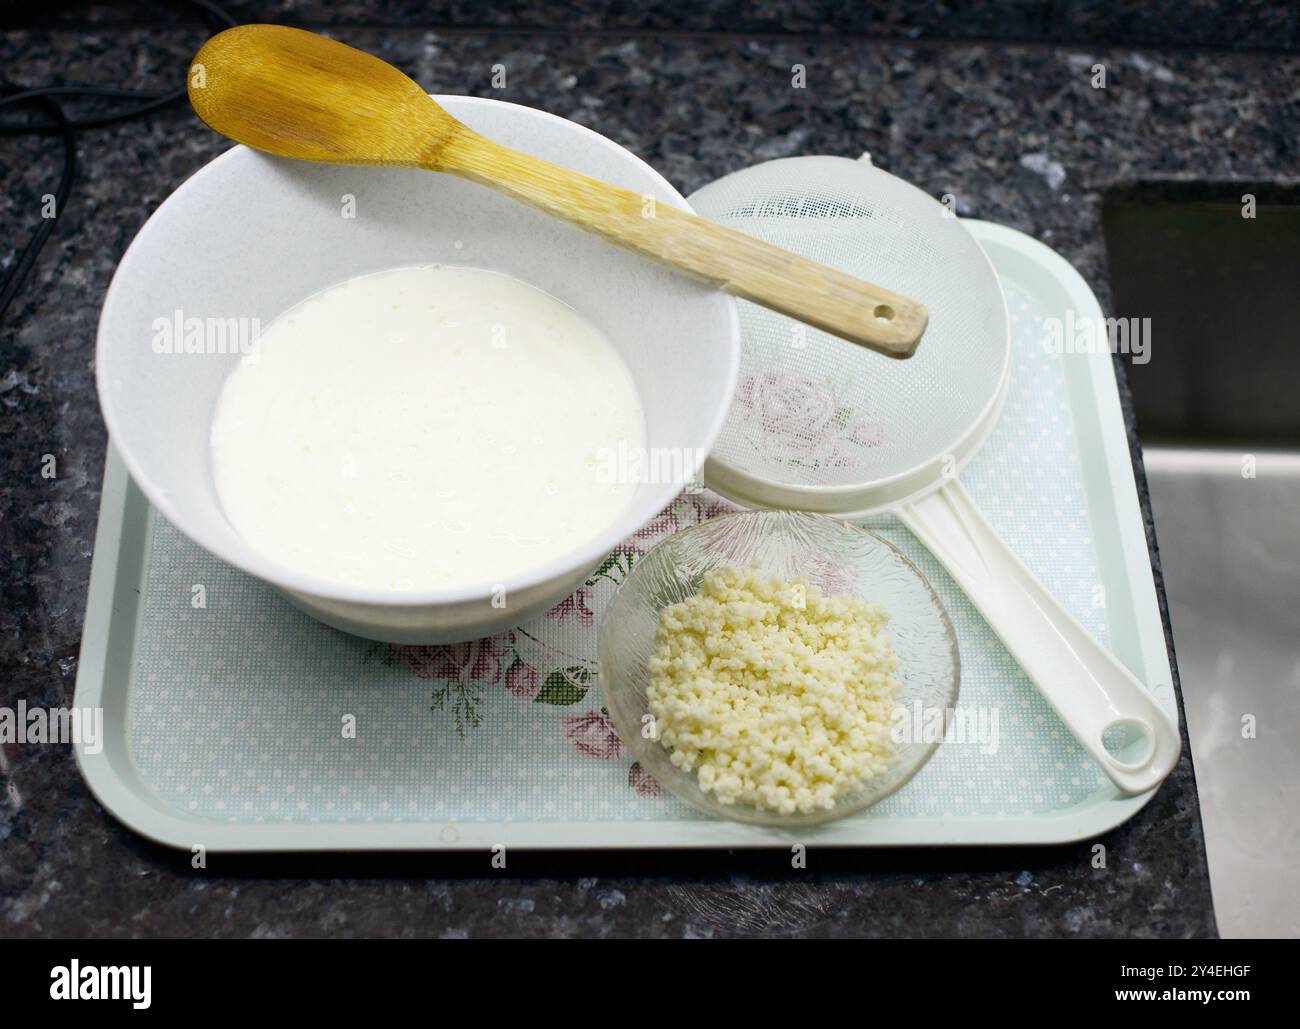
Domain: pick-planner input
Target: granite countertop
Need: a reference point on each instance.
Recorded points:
(1014, 129)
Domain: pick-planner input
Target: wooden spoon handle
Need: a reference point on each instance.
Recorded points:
(727, 260)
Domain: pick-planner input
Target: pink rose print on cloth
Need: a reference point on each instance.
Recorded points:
(593, 734)
(478, 661)
(523, 680)
(801, 422)
(575, 607)
(642, 782)
(687, 510)
(458, 671)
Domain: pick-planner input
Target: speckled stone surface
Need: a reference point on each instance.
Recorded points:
(1017, 132)
(1244, 25)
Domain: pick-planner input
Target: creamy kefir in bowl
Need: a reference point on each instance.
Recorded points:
(425, 427)
(338, 412)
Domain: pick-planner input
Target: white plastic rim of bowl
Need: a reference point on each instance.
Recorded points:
(248, 236)
(1111, 714)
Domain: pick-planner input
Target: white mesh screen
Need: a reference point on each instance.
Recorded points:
(813, 410)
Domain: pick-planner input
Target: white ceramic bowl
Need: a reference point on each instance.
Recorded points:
(248, 236)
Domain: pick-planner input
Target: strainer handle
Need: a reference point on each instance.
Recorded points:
(1098, 699)
(731, 261)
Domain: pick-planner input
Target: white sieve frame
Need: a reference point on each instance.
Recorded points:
(858, 500)
(875, 496)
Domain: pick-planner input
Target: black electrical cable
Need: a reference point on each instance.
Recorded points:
(152, 100)
(59, 124)
(27, 257)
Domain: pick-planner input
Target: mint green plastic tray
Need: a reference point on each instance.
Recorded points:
(226, 724)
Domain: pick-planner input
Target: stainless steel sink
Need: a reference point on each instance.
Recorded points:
(1219, 420)
(1231, 560)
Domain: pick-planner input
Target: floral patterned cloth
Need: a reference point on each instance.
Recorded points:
(536, 669)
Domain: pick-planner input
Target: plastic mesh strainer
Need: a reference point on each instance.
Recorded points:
(818, 424)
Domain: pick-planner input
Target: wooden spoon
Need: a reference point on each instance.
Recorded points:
(301, 95)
